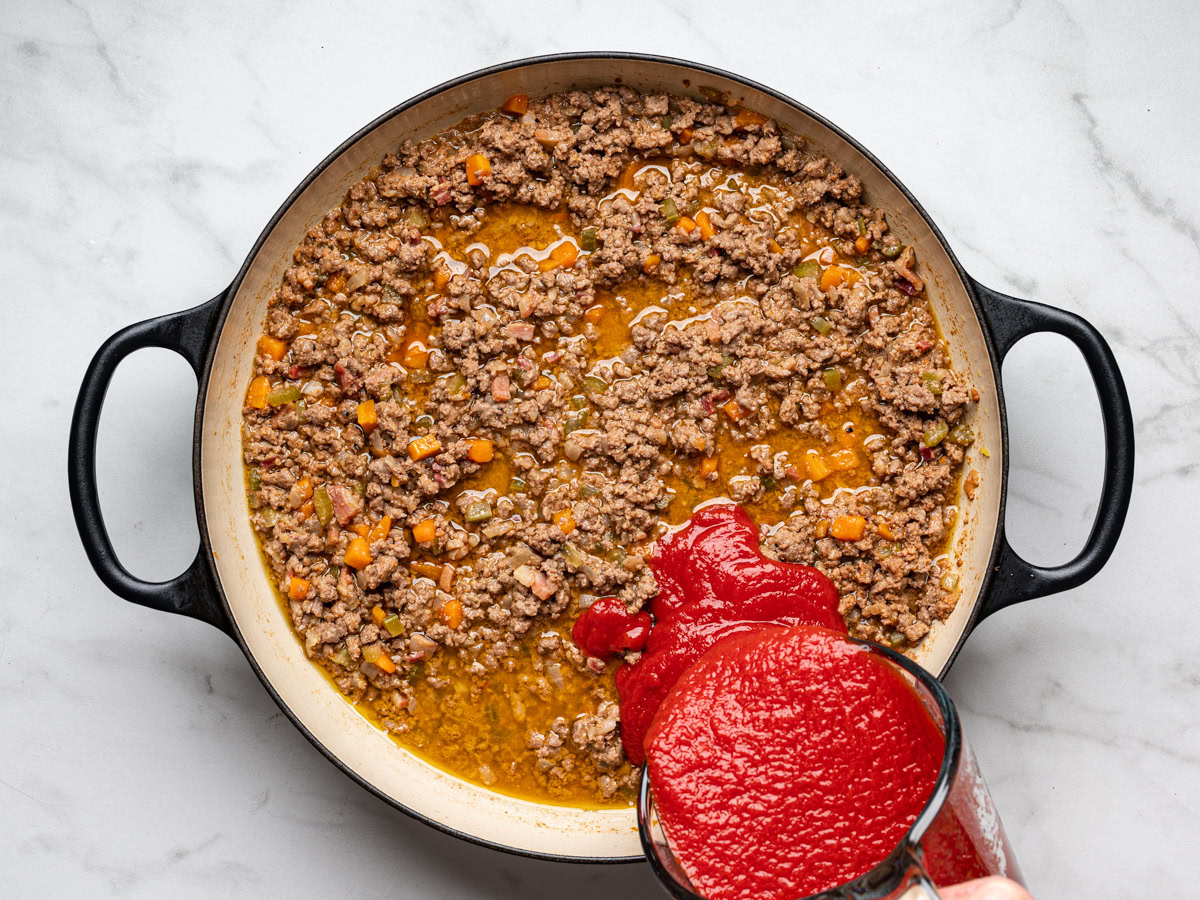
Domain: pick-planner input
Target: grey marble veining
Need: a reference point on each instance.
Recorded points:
(143, 146)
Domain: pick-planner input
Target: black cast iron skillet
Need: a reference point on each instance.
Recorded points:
(195, 333)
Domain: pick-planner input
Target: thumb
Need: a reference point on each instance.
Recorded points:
(994, 888)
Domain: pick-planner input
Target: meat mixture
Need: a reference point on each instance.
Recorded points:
(520, 350)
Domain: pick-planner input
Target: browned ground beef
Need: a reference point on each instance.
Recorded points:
(727, 352)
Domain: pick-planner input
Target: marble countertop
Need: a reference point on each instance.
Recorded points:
(145, 144)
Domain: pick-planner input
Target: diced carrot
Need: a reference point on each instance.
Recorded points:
(362, 529)
(441, 276)
(306, 509)
(478, 168)
(335, 284)
(594, 314)
(272, 347)
(817, 467)
(542, 383)
(862, 244)
(735, 411)
(565, 520)
(358, 554)
(304, 489)
(380, 529)
(885, 531)
(384, 662)
(747, 118)
(843, 460)
(708, 465)
(378, 615)
(516, 105)
(298, 588)
(480, 451)
(823, 528)
(367, 417)
(423, 446)
(686, 225)
(707, 229)
(256, 395)
(685, 136)
(848, 528)
(774, 245)
(425, 531)
(427, 570)
(451, 613)
(416, 355)
(651, 263)
(563, 254)
(847, 438)
(832, 277)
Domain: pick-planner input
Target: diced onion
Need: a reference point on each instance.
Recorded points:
(520, 555)
(358, 279)
(485, 316)
(572, 556)
(525, 575)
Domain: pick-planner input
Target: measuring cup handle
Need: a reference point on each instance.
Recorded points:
(917, 884)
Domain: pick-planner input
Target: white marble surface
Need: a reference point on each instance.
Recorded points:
(143, 146)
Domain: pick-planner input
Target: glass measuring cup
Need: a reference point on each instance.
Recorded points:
(956, 837)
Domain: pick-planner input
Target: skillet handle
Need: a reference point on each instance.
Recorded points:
(193, 592)
(1014, 579)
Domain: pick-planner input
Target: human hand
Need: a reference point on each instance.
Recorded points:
(994, 888)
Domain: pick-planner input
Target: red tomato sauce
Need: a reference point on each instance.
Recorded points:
(787, 761)
(605, 628)
(713, 583)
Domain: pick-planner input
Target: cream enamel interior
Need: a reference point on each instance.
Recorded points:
(401, 776)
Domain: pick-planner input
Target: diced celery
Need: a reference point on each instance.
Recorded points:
(480, 511)
(322, 506)
(280, 396)
(810, 268)
(961, 435)
(934, 433)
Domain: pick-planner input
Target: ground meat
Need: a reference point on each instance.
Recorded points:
(485, 386)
